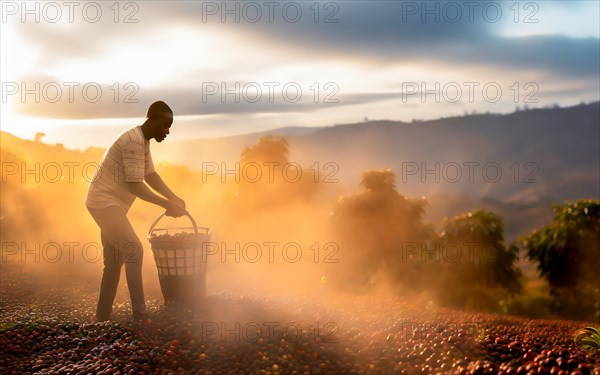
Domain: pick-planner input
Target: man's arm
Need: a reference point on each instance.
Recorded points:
(157, 183)
(140, 190)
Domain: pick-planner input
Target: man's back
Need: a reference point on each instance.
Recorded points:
(128, 159)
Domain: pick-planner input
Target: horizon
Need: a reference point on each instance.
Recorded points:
(108, 134)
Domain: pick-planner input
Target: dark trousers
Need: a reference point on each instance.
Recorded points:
(120, 246)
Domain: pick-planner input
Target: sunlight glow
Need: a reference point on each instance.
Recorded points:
(17, 58)
(183, 49)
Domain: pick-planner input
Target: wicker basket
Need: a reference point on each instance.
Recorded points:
(180, 262)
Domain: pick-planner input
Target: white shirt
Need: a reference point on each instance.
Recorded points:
(128, 159)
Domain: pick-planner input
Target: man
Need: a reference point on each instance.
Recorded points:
(119, 179)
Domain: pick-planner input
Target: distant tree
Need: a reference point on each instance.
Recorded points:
(474, 261)
(267, 178)
(39, 136)
(379, 182)
(268, 149)
(373, 228)
(260, 172)
(568, 256)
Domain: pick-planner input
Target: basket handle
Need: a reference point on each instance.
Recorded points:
(163, 215)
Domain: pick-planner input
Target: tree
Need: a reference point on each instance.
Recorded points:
(568, 256)
(379, 181)
(268, 179)
(260, 170)
(373, 228)
(39, 136)
(269, 149)
(474, 261)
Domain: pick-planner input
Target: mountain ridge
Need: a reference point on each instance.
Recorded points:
(561, 143)
(552, 146)
(549, 153)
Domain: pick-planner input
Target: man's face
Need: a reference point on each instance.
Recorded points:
(162, 125)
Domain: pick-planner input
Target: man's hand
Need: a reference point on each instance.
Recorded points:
(173, 202)
(174, 210)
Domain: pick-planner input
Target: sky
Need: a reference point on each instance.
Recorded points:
(83, 71)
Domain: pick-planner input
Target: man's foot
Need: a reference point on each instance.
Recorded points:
(100, 319)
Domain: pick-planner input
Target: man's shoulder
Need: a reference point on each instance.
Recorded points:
(130, 135)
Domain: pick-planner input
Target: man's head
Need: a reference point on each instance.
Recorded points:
(159, 120)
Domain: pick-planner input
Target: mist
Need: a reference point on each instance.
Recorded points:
(302, 264)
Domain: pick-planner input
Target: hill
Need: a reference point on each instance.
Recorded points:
(516, 164)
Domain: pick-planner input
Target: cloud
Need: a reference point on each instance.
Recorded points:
(174, 51)
(379, 31)
(392, 31)
(58, 100)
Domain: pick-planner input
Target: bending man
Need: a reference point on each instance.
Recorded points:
(119, 179)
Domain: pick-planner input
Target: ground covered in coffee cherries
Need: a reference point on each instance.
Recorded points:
(48, 328)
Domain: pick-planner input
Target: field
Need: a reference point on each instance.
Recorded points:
(49, 328)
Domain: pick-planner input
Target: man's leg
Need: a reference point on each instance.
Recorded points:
(110, 280)
(121, 245)
(133, 271)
